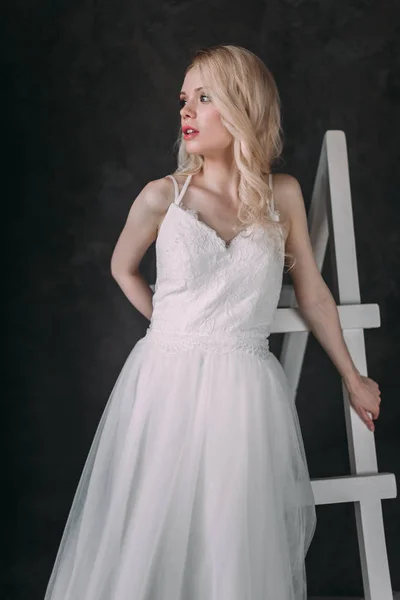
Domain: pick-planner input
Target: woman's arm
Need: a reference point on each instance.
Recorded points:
(316, 303)
(138, 234)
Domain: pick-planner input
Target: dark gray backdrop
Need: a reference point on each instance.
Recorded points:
(91, 113)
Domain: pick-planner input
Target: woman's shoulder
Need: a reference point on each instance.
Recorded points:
(160, 193)
(288, 198)
(286, 189)
(284, 183)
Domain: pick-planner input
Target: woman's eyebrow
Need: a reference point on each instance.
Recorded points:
(196, 90)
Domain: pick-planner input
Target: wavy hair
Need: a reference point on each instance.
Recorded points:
(244, 92)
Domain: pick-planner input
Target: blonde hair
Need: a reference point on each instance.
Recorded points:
(245, 93)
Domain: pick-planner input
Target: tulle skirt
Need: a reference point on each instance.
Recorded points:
(196, 486)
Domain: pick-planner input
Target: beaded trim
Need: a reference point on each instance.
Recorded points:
(221, 343)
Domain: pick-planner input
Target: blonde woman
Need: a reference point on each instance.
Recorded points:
(196, 486)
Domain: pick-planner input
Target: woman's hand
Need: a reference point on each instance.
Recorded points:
(365, 396)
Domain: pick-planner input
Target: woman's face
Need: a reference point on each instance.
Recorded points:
(199, 113)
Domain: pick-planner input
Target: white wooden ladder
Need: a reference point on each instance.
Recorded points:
(331, 215)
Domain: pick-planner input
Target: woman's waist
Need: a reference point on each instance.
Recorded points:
(254, 341)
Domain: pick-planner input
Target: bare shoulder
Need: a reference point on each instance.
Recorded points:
(285, 186)
(157, 195)
(288, 196)
(142, 225)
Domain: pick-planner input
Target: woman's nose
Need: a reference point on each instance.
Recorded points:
(187, 110)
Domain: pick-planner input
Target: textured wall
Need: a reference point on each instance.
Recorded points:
(91, 92)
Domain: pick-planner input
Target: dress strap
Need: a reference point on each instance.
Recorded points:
(179, 196)
(272, 195)
(175, 186)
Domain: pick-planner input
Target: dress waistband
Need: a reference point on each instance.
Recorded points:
(220, 342)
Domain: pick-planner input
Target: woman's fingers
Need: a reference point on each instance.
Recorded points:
(364, 416)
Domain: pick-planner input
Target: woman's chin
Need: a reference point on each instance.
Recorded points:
(191, 149)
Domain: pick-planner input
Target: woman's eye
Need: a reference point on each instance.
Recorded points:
(182, 101)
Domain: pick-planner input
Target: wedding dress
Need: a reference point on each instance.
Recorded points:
(196, 485)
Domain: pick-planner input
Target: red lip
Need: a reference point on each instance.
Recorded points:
(186, 127)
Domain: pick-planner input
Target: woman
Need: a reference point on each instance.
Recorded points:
(196, 486)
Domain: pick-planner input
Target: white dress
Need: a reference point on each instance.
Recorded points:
(196, 486)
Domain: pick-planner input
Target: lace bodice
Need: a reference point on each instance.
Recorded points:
(222, 294)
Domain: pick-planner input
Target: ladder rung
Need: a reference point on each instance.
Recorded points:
(354, 488)
(352, 316)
